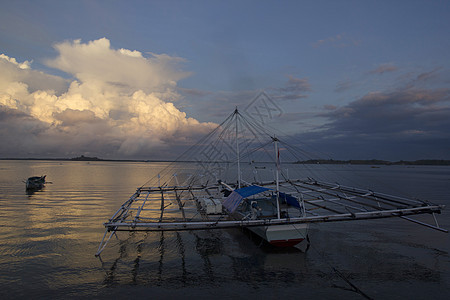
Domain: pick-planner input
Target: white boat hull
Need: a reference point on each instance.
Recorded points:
(286, 235)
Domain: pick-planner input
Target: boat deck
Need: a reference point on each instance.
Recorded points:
(179, 208)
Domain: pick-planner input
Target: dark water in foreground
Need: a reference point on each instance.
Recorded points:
(48, 241)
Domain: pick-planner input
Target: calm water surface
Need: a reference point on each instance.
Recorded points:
(48, 240)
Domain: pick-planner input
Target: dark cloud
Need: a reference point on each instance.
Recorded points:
(330, 107)
(383, 69)
(425, 76)
(294, 89)
(344, 86)
(218, 105)
(193, 92)
(296, 85)
(19, 133)
(428, 78)
(25, 136)
(405, 124)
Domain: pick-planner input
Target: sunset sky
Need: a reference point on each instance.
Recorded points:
(144, 79)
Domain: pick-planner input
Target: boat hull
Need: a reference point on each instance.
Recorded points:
(35, 183)
(286, 235)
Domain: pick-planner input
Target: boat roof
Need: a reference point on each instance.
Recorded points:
(251, 190)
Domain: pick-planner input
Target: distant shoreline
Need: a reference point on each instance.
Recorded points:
(88, 159)
(421, 162)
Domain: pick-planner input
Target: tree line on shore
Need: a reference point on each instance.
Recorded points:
(427, 162)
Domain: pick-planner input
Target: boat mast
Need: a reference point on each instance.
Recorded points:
(237, 149)
(277, 159)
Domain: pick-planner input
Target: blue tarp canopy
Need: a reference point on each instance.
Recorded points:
(250, 190)
(236, 197)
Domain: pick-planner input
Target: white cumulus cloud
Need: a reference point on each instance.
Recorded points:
(118, 103)
(97, 62)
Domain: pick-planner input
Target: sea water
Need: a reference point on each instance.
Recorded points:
(48, 240)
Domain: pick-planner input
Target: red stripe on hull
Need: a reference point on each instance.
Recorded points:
(285, 243)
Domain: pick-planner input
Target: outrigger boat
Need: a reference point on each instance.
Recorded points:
(222, 186)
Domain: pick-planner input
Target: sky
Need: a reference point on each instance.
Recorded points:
(145, 79)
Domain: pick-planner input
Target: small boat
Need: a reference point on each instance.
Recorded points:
(35, 182)
(216, 184)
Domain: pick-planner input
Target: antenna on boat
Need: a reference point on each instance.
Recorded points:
(277, 159)
(237, 149)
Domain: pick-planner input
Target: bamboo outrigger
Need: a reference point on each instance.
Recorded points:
(209, 199)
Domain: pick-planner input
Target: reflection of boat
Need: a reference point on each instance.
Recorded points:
(35, 182)
(214, 191)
